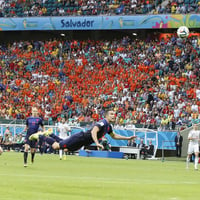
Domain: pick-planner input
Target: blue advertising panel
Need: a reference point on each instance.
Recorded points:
(114, 142)
(166, 140)
(151, 136)
(140, 135)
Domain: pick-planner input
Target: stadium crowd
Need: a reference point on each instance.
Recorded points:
(149, 82)
(26, 8)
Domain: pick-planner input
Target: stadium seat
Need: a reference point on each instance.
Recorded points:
(187, 2)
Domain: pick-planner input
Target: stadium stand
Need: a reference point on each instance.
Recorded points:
(148, 82)
(27, 8)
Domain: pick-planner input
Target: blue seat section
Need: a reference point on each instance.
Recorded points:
(101, 154)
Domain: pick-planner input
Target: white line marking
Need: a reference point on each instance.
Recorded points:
(109, 180)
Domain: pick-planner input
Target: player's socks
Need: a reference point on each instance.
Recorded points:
(196, 163)
(41, 150)
(40, 144)
(32, 157)
(65, 155)
(25, 158)
(187, 162)
(60, 154)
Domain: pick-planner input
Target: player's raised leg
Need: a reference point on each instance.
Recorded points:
(35, 136)
(48, 132)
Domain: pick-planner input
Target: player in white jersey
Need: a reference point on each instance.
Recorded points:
(64, 132)
(1, 150)
(193, 146)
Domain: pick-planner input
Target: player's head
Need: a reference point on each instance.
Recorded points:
(195, 126)
(110, 115)
(34, 112)
(63, 120)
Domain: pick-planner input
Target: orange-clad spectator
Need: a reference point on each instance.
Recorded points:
(58, 108)
(178, 52)
(51, 85)
(85, 102)
(95, 116)
(81, 118)
(151, 73)
(188, 108)
(18, 82)
(191, 93)
(26, 85)
(126, 102)
(195, 115)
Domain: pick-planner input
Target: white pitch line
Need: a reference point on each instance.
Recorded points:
(109, 180)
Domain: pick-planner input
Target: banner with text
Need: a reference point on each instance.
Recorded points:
(100, 22)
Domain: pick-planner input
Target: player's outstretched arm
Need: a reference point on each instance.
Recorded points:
(94, 137)
(120, 137)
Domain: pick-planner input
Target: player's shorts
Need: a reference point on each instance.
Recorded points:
(193, 148)
(31, 143)
(75, 142)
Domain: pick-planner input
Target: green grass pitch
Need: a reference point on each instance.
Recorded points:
(86, 178)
